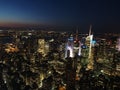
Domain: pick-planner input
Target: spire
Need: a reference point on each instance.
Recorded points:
(76, 35)
(90, 29)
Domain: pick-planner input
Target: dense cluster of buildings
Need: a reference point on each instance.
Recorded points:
(48, 60)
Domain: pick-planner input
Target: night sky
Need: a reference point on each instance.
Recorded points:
(104, 15)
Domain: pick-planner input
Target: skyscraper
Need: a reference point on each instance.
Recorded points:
(43, 47)
(73, 46)
(89, 40)
(69, 47)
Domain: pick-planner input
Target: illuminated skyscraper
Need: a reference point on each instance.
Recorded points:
(69, 48)
(89, 40)
(77, 45)
(41, 44)
(43, 47)
(73, 47)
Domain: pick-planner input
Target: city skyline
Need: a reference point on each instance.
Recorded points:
(63, 15)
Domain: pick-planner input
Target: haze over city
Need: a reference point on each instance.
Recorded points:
(65, 15)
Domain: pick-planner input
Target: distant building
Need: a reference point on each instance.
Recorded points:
(118, 44)
(102, 47)
(118, 67)
(43, 47)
